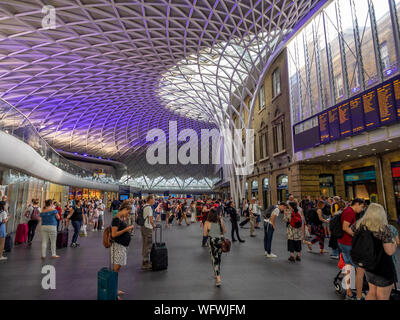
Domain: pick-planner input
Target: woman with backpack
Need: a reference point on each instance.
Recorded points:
(339, 205)
(121, 236)
(294, 230)
(373, 230)
(32, 214)
(317, 228)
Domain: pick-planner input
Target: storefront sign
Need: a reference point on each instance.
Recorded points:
(360, 176)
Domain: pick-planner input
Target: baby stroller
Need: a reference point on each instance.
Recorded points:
(340, 282)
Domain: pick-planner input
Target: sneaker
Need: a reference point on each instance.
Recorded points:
(3, 258)
(234, 240)
(335, 257)
(292, 259)
(241, 241)
(146, 266)
(218, 284)
(272, 256)
(73, 245)
(94, 230)
(353, 297)
(298, 258)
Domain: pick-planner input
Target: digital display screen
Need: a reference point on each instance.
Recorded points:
(334, 129)
(324, 128)
(344, 120)
(396, 86)
(386, 104)
(357, 115)
(371, 112)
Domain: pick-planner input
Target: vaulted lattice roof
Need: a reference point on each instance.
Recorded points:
(112, 70)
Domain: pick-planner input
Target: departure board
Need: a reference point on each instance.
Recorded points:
(324, 127)
(334, 129)
(344, 120)
(370, 109)
(371, 112)
(396, 86)
(357, 115)
(386, 104)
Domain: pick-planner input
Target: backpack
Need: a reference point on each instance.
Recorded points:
(336, 227)
(366, 252)
(295, 220)
(107, 239)
(267, 213)
(140, 220)
(35, 215)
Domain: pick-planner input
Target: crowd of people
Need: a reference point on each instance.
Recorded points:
(307, 222)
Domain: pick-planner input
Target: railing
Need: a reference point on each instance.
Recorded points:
(15, 123)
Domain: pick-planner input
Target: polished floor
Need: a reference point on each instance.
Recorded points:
(246, 273)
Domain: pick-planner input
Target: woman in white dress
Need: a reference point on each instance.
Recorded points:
(192, 210)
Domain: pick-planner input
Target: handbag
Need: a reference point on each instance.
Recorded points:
(226, 243)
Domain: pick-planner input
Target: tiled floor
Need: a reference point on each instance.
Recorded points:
(246, 273)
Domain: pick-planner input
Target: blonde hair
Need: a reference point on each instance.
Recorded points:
(375, 218)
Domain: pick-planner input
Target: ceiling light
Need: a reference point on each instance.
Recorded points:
(354, 149)
(374, 149)
(390, 141)
(387, 149)
(348, 155)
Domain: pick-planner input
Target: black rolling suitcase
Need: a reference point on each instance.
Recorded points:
(171, 218)
(159, 253)
(8, 244)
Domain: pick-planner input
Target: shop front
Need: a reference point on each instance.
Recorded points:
(361, 183)
(327, 185)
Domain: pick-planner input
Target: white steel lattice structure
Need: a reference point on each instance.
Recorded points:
(112, 70)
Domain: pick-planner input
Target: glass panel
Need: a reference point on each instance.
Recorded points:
(385, 35)
(367, 45)
(324, 69)
(334, 49)
(312, 62)
(349, 45)
(294, 82)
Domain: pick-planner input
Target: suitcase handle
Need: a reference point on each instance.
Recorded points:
(158, 226)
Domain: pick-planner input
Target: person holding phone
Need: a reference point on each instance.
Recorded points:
(121, 235)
